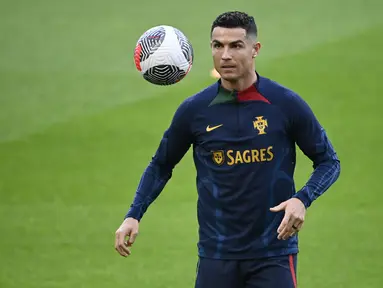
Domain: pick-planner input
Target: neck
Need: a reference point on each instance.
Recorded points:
(240, 84)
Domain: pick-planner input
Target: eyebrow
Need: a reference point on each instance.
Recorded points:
(233, 42)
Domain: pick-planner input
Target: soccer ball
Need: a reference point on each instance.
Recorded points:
(163, 55)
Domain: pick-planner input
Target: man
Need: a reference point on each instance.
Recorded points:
(243, 130)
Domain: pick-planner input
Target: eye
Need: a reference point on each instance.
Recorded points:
(216, 45)
(237, 46)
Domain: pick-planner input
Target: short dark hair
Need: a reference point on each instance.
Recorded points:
(236, 19)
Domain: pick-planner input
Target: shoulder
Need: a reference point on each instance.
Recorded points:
(200, 99)
(192, 104)
(287, 99)
(276, 93)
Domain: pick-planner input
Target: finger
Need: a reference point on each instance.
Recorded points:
(295, 228)
(120, 249)
(284, 222)
(294, 232)
(132, 237)
(116, 240)
(279, 207)
(124, 248)
(300, 225)
(117, 244)
(120, 243)
(287, 229)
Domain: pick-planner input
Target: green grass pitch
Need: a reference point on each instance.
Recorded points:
(78, 125)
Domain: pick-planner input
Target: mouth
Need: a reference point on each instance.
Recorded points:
(228, 66)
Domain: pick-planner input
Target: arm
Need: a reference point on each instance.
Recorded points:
(175, 142)
(311, 138)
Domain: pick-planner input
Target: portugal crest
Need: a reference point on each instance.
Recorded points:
(260, 124)
(218, 157)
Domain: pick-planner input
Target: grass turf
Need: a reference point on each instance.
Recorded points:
(78, 126)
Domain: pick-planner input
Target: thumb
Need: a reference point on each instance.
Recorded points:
(279, 207)
(132, 237)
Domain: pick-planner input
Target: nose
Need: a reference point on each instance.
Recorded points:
(226, 54)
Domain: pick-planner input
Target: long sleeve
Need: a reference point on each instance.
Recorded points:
(311, 138)
(174, 144)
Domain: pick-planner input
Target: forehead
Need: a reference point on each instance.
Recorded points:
(223, 35)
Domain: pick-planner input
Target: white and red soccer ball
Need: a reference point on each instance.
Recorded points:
(163, 55)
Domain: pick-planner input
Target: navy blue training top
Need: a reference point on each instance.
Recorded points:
(244, 152)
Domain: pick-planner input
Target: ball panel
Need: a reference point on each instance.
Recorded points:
(186, 47)
(137, 56)
(151, 41)
(164, 74)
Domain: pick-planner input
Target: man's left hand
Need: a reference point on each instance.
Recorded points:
(294, 218)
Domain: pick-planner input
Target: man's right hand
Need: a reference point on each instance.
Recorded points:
(128, 228)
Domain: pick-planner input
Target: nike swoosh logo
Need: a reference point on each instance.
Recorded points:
(208, 128)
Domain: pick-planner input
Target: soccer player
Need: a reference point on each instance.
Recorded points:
(243, 129)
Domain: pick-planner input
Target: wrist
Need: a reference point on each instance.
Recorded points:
(303, 196)
(133, 213)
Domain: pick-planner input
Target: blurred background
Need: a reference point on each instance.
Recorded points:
(78, 125)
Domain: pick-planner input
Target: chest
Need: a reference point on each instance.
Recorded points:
(251, 124)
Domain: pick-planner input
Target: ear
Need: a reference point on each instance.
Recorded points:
(256, 48)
